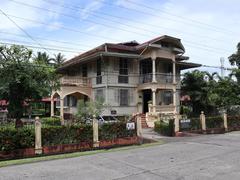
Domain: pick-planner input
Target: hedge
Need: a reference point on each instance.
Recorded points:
(164, 128)
(11, 138)
(214, 122)
(233, 121)
(51, 121)
(112, 131)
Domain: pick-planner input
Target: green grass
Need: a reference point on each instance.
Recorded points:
(75, 154)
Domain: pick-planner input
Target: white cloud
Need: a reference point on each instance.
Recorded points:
(91, 7)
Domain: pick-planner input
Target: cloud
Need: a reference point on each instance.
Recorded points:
(91, 7)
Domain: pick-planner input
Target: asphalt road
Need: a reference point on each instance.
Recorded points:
(201, 157)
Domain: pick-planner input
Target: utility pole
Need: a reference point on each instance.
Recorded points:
(222, 66)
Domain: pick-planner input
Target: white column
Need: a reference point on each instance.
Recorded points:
(52, 107)
(203, 121)
(61, 110)
(139, 126)
(174, 70)
(95, 132)
(175, 100)
(176, 124)
(154, 100)
(38, 136)
(225, 121)
(154, 70)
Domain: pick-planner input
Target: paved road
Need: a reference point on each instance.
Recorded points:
(192, 158)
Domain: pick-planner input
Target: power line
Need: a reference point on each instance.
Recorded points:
(154, 15)
(127, 25)
(25, 32)
(99, 15)
(37, 47)
(174, 15)
(75, 30)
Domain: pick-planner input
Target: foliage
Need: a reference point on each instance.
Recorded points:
(86, 110)
(164, 128)
(233, 121)
(234, 59)
(195, 123)
(58, 60)
(21, 79)
(209, 92)
(51, 121)
(214, 122)
(12, 138)
(110, 131)
(55, 135)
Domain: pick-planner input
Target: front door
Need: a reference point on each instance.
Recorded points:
(147, 96)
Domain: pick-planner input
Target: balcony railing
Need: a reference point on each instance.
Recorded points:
(75, 80)
(160, 78)
(161, 108)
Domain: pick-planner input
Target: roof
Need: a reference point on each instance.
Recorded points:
(131, 48)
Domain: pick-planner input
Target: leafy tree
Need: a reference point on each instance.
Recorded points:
(22, 79)
(234, 59)
(86, 110)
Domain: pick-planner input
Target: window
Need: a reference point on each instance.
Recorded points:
(84, 70)
(99, 69)
(167, 97)
(123, 97)
(123, 71)
(99, 93)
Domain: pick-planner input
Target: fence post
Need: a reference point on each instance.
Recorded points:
(38, 136)
(139, 126)
(95, 132)
(225, 121)
(203, 122)
(176, 124)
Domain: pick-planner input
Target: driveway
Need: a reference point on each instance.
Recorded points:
(200, 157)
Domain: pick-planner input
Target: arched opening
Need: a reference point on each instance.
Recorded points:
(70, 103)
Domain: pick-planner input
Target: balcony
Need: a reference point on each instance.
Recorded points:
(75, 81)
(162, 78)
(161, 109)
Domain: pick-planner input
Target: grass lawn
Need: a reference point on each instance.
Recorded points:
(72, 155)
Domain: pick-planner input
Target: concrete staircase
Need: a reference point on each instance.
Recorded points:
(143, 120)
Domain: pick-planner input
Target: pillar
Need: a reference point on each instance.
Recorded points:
(176, 123)
(174, 70)
(203, 121)
(38, 136)
(154, 70)
(175, 100)
(225, 121)
(95, 132)
(154, 100)
(62, 110)
(139, 127)
(52, 107)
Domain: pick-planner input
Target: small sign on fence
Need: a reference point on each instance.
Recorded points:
(130, 126)
(185, 123)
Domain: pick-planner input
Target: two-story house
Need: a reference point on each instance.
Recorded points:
(131, 77)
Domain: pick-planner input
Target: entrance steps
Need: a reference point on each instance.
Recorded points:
(143, 121)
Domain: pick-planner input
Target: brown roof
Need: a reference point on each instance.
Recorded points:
(132, 47)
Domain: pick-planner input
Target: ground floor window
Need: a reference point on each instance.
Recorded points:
(124, 97)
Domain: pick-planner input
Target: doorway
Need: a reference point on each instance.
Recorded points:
(147, 96)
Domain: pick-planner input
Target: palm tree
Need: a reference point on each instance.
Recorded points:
(59, 59)
(43, 58)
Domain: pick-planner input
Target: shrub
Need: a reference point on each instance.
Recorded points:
(214, 122)
(115, 130)
(164, 128)
(12, 139)
(54, 135)
(195, 123)
(51, 121)
(233, 121)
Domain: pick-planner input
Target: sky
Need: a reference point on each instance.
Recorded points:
(208, 29)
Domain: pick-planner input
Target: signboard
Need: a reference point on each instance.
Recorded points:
(185, 123)
(113, 112)
(130, 126)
